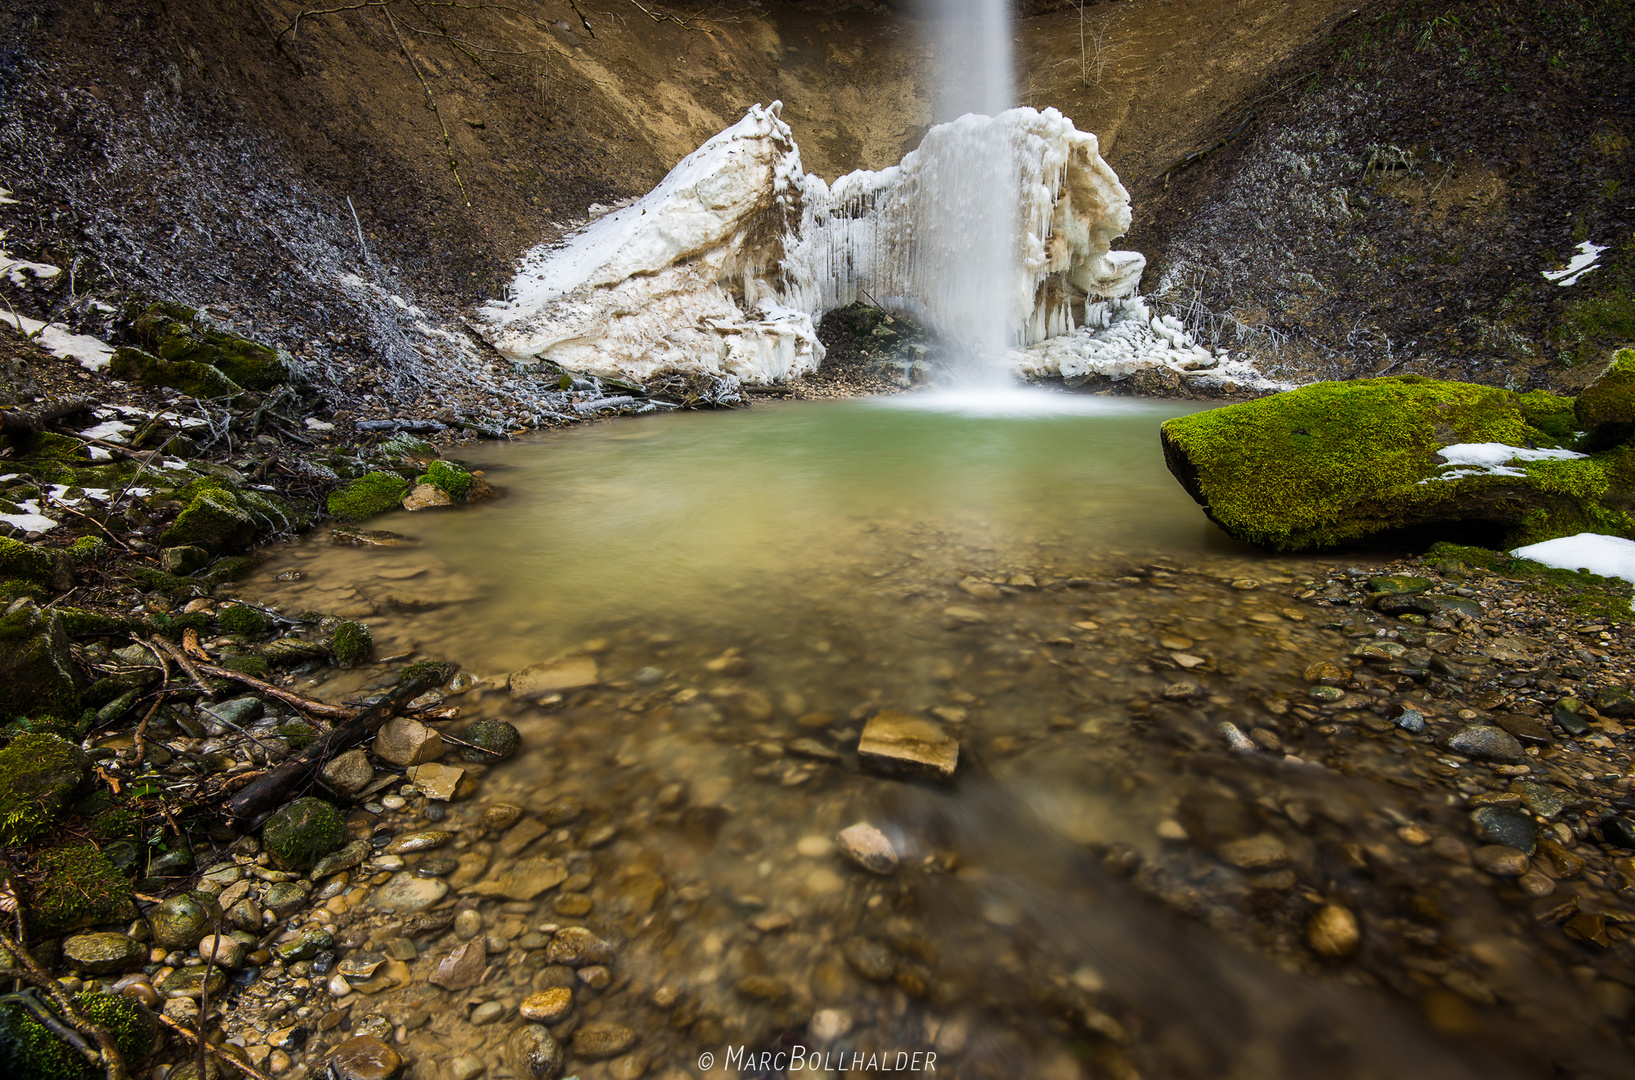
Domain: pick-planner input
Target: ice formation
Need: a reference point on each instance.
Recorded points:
(724, 266)
(1492, 459)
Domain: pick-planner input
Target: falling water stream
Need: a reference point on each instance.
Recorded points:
(751, 588)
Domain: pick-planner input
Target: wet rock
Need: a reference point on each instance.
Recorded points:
(437, 781)
(1526, 730)
(284, 897)
(1619, 831)
(1181, 691)
(406, 894)
(1332, 932)
(1615, 701)
(468, 923)
(364, 1057)
(1327, 673)
(901, 744)
(598, 1041)
(192, 982)
(547, 1006)
(353, 854)
(1486, 743)
(487, 1013)
(39, 774)
(426, 497)
(179, 922)
(553, 676)
(238, 712)
(982, 590)
(222, 951)
(405, 742)
(1540, 798)
(868, 847)
(1398, 585)
(501, 816)
(463, 968)
(423, 840)
(1234, 738)
(103, 954)
(1507, 825)
(1500, 861)
(812, 750)
(563, 811)
(595, 976)
(349, 773)
(524, 879)
(302, 832)
(1260, 852)
(533, 1053)
(466, 1067)
(572, 905)
(1565, 863)
(495, 740)
(576, 947)
(1566, 714)
(1411, 721)
(246, 916)
(869, 958)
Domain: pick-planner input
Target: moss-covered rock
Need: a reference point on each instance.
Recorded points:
(39, 775)
(88, 549)
(351, 643)
(451, 479)
(180, 335)
(193, 379)
(30, 1051)
(1606, 408)
(37, 676)
(303, 832)
(1337, 462)
(78, 887)
(216, 515)
(371, 494)
(498, 738)
(27, 562)
(298, 734)
(78, 622)
(244, 619)
(257, 667)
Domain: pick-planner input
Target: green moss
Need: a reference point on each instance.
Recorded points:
(29, 1050)
(1605, 316)
(428, 672)
(150, 579)
(1551, 413)
(26, 562)
(254, 666)
(174, 626)
(1610, 399)
(39, 775)
(299, 735)
(224, 570)
(192, 379)
(405, 447)
(351, 643)
(1600, 598)
(87, 549)
(216, 515)
(244, 619)
(303, 832)
(1335, 462)
(78, 887)
(447, 477)
(178, 334)
(117, 823)
(371, 494)
(77, 622)
(37, 674)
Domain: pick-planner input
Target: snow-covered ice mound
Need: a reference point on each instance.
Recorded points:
(724, 266)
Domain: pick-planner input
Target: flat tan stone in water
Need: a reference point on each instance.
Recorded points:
(563, 673)
(523, 880)
(901, 744)
(436, 781)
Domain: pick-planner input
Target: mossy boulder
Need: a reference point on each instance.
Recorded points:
(498, 737)
(451, 479)
(370, 494)
(30, 1051)
(1606, 408)
(351, 643)
(192, 379)
(37, 676)
(244, 619)
(1333, 463)
(39, 775)
(78, 887)
(27, 562)
(179, 335)
(303, 832)
(215, 515)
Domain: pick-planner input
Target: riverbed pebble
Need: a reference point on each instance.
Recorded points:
(868, 847)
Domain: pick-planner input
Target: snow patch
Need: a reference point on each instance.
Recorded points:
(91, 353)
(1581, 264)
(1492, 459)
(109, 431)
(30, 520)
(1609, 556)
(5, 197)
(724, 266)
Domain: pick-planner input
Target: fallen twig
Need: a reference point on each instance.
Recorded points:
(244, 1067)
(306, 705)
(107, 1053)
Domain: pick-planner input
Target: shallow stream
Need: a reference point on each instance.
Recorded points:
(750, 589)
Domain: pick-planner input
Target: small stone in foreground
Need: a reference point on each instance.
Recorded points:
(406, 893)
(436, 781)
(1332, 932)
(534, 1053)
(364, 1057)
(463, 968)
(601, 1040)
(868, 847)
(898, 743)
(1508, 825)
(1486, 742)
(547, 1006)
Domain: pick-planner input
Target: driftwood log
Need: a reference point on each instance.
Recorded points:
(39, 417)
(272, 788)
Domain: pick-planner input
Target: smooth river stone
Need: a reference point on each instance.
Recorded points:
(436, 781)
(402, 741)
(406, 894)
(364, 1057)
(424, 840)
(463, 968)
(1486, 742)
(547, 1006)
(103, 954)
(901, 744)
(868, 847)
(564, 673)
(346, 858)
(522, 880)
